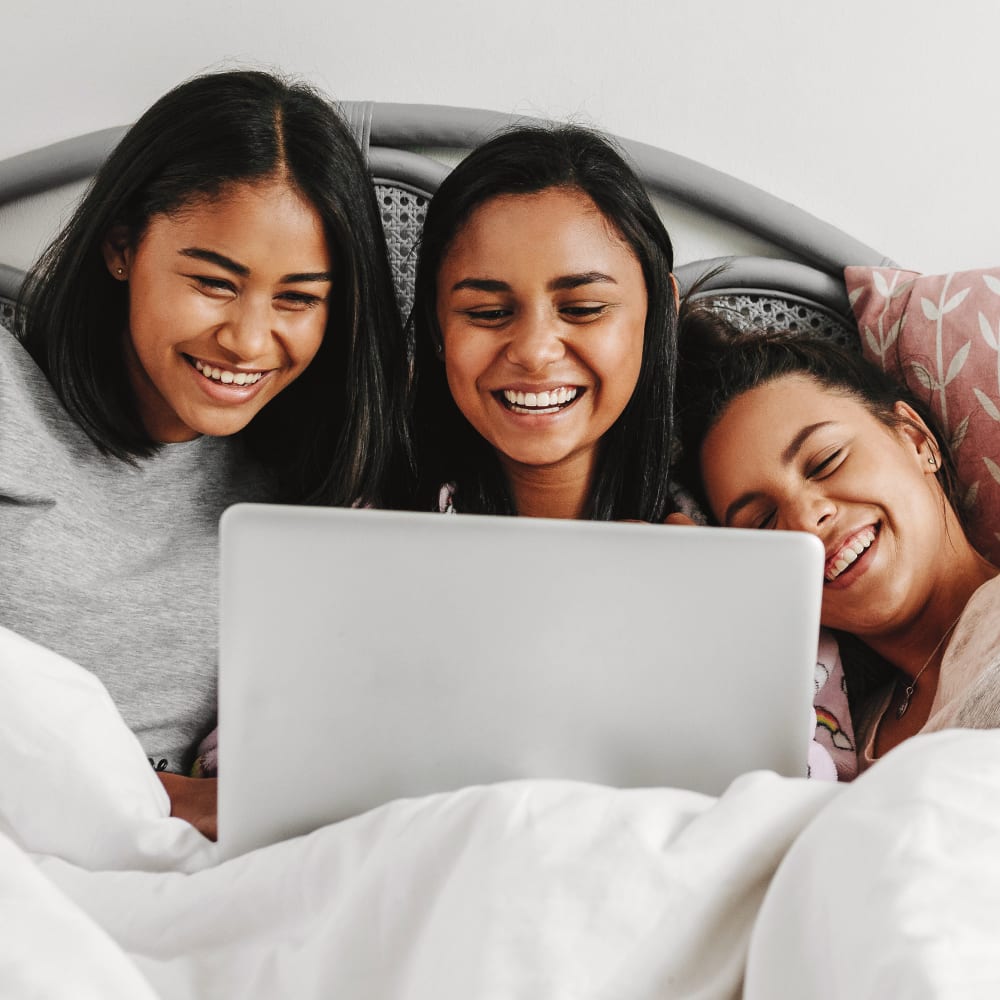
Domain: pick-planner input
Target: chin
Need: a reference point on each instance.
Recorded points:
(538, 461)
(220, 425)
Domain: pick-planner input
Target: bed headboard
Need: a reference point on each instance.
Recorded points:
(784, 266)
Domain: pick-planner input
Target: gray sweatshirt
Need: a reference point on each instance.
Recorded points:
(114, 565)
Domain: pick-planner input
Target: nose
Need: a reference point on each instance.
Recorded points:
(248, 329)
(535, 342)
(812, 511)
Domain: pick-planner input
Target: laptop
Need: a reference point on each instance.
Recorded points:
(368, 655)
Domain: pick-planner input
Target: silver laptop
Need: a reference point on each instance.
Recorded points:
(369, 655)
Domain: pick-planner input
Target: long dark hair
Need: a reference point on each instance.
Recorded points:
(337, 435)
(633, 463)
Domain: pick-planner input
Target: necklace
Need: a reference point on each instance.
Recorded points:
(911, 687)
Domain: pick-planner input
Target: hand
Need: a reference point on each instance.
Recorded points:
(194, 800)
(681, 519)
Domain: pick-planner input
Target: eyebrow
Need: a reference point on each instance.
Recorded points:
(794, 447)
(565, 283)
(571, 281)
(481, 285)
(234, 267)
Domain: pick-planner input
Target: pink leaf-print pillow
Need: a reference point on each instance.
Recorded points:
(940, 333)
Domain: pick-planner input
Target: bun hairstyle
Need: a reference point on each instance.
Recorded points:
(718, 361)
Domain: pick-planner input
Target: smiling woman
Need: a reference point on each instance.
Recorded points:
(215, 324)
(247, 326)
(544, 321)
(544, 360)
(789, 433)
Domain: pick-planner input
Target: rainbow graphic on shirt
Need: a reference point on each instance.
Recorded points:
(827, 720)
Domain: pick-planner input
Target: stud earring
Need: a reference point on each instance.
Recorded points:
(931, 460)
(119, 271)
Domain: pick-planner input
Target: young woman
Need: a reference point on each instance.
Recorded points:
(544, 321)
(790, 433)
(216, 323)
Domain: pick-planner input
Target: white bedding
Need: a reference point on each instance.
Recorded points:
(527, 889)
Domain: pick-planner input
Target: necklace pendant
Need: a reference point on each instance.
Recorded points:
(905, 703)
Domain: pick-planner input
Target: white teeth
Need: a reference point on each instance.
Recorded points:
(850, 553)
(540, 401)
(226, 376)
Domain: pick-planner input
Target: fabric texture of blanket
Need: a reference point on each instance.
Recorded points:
(525, 889)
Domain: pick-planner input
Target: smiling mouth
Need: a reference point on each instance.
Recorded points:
(548, 401)
(848, 555)
(227, 376)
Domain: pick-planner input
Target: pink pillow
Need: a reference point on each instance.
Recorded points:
(940, 333)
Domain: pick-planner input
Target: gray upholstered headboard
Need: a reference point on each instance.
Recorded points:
(790, 278)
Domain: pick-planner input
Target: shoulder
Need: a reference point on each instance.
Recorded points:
(16, 364)
(25, 392)
(977, 634)
(968, 693)
(985, 600)
(36, 431)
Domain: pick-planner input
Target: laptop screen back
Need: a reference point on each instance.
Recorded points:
(370, 655)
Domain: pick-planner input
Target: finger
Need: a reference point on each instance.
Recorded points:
(681, 519)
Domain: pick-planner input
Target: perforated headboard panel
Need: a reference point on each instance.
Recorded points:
(761, 293)
(403, 214)
(772, 312)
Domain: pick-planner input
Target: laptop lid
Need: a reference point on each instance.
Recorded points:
(372, 655)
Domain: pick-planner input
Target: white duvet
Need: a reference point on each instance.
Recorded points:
(779, 888)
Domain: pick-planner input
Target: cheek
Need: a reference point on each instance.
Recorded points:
(143, 313)
(303, 336)
(465, 360)
(620, 363)
(313, 340)
(461, 382)
(160, 317)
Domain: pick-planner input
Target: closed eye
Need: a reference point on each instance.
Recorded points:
(584, 312)
(826, 466)
(212, 284)
(300, 300)
(487, 317)
(767, 521)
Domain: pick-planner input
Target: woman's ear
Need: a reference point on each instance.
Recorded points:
(117, 251)
(917, 435)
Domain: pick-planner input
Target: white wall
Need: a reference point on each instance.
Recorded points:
(878, 116)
